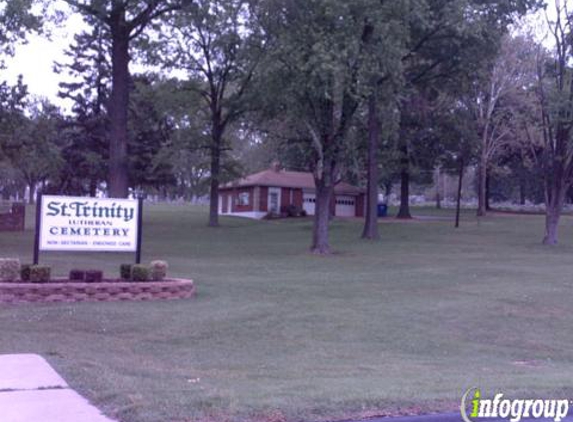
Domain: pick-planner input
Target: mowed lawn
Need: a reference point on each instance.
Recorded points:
(402, 325)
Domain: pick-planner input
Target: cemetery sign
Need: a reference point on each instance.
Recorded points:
(67, 223)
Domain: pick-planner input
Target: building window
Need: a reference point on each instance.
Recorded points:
(274, 202)
(244, 198)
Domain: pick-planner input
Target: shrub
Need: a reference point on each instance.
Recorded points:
(293, 211)
(25, 272)
(77, 275)
(9, 269)
(139, 272)
(125, 271)
(40, 273)
(94, 276)
(158, 270)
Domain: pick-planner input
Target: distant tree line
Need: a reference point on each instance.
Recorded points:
(372, 91)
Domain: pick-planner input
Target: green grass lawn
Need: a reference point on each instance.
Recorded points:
(405, 324)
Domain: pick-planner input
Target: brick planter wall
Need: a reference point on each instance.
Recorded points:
(95, 292)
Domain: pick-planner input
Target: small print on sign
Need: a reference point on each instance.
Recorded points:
(88, 224)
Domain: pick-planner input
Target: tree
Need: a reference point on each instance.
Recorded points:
(216, 42)
(89, 70)
(490, 102)
(384, 82)
(17, 20)
(153, 109)
(317, 63)
(370, 230)
(124, 21)
(554, 129)
(449, 39)
(34, 149)
(12, 118)
(381, 164)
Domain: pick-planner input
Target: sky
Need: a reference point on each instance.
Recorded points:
(35, 59)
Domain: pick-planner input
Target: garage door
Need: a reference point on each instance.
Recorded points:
(345, 206)
(308, 203)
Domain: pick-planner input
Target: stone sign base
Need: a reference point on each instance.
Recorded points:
(108, 291)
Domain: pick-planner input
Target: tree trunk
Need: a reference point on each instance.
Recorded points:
(320, 243)
(404, 211)
(93, 187)
(438, 196)
(371, 221)
(215, 176)
(32, 192)
(487, 190)
(482, 176)
(387, 190)
(521, 190)
(551, 223)
(459, 198)
(554, 199)
(118, 107)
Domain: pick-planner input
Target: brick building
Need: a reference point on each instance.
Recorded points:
(273, 190)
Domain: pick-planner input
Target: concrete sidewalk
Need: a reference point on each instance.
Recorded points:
(31, 391)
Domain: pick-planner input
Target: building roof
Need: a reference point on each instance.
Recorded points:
(287, 179)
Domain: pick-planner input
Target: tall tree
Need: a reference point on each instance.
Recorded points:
(216, 42)
(125, 20)
(318, 63)
(384, 84)
(17, 20)
(34, 150)
(445, 39)
(555, 98)
(490, 93)
(88, 70)
(153, 110)
(370, 230)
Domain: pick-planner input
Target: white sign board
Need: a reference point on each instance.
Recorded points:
(88, 224)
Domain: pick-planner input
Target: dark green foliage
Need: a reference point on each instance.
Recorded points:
(9, 269)
(25, 272)
(140, 272)
(17, 20)
(33, 145)
(77, 275)
(123, 22)
(226, 64)
(40, 273)
(158, 270)
(292, 211)
(86, 149)
(125, 271)
(94, 276)
(151, 131)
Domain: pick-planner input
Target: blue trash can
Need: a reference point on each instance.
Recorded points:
(382, 210)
